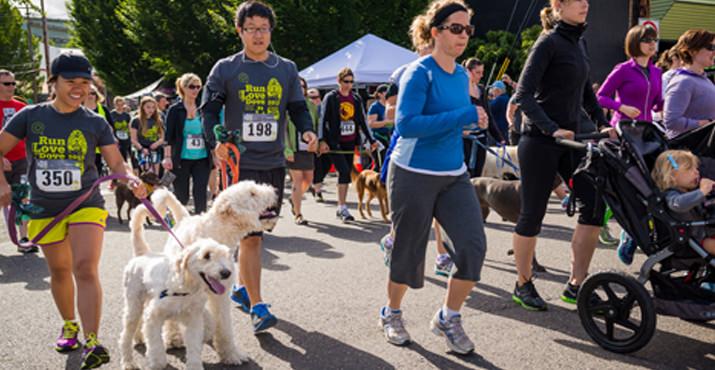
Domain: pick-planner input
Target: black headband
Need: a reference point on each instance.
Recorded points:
(445, 12)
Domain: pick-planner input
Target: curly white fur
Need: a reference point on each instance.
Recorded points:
(159, 287)
(235, 213)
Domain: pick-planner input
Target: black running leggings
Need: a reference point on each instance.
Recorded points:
(343, 163)
(540, 159)
(192, 170)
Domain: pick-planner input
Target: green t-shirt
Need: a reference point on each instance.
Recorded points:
(61, 151)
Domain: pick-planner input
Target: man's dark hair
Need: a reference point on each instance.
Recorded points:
(254, 8)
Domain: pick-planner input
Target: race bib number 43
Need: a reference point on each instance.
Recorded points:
(259, 128)
(195, 142)
(58, 175)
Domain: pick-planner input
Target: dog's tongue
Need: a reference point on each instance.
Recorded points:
(217, 287)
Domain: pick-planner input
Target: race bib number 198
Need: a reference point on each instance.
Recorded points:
(58, 175)
(259, 128)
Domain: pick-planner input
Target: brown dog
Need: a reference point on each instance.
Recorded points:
(370, 180)
(123, 194)
(503, 197)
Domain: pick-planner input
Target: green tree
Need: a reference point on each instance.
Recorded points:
(15, 55)
(118, 59)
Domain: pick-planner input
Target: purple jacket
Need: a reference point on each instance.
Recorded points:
(629, 83)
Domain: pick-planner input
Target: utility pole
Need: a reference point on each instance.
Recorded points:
(31, 52)
(45, 38)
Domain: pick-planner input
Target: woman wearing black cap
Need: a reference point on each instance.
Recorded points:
(61, 139)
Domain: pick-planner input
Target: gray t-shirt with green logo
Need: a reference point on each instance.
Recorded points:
(256, 99)
(61, 153)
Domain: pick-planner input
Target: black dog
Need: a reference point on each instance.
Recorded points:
(123, 194)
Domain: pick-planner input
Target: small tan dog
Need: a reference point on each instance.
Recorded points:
(370, 180)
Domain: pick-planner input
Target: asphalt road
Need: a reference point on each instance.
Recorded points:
(326, 282)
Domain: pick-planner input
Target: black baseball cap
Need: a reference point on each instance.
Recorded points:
(71, 65)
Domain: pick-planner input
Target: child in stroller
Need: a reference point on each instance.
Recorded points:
(676, 174)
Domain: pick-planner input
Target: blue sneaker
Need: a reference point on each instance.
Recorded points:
(565, 202)
(262, 318)
(240, 296)
(626, 248)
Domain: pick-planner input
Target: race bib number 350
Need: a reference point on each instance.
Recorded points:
(59, 175)
(259, 128)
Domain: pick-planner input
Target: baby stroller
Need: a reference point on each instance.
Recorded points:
(623, 318)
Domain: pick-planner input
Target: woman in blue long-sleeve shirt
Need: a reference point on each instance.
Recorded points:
(427, 176)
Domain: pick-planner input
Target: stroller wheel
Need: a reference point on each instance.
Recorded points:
(616, 311)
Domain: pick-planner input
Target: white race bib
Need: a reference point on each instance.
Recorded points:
(58, 175)
(347, 128)
(259, 128)
(122, 135)
(195, 142)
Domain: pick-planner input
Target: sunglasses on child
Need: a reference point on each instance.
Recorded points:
(457, 29)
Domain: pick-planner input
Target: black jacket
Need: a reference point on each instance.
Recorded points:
(555, 83)
(330, 120)
(174, 136)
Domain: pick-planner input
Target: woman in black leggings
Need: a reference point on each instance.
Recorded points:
(553, 87)
(185, 152)
(343, 120)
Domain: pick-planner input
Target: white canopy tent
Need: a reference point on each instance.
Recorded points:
(371, 58)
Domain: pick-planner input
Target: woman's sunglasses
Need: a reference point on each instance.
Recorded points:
(457, 29)
(194, 87)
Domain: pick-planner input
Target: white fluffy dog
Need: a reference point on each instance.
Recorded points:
(158, 287)
(238, 210)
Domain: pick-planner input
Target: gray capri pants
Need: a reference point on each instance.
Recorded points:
(416, 198)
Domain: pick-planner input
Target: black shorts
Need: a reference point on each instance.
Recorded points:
(274, 178)
(19, 168)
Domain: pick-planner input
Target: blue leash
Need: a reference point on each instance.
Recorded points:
(501, 159)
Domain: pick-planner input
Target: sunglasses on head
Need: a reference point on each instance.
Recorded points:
(194, 87)
(457, 29)
(648, 40)
(13, 83)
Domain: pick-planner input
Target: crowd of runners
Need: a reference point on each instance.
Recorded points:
(425, 131)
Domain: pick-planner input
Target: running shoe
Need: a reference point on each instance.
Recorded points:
(526, 296)
(605, 236)
(67, 341)
(94, 354)
(565, 202)
(570, 295)
(344, 215)
(240, 296)
(262, 318)
(299, 220)
(453, 331)
(319, 196)
(24, 246)
(394, 329)
(386, 244)
(626, 248)
(443, 265)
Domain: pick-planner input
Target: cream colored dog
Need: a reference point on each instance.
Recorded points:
(159, 287)
(237, 211)
(494, 167)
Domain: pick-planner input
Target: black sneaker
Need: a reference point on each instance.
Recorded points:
(526, 296)
(319, 197)
(570, 295)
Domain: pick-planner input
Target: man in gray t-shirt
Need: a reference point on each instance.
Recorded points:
(61, 151)
(257, 89)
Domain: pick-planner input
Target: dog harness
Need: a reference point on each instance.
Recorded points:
(165, 293)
